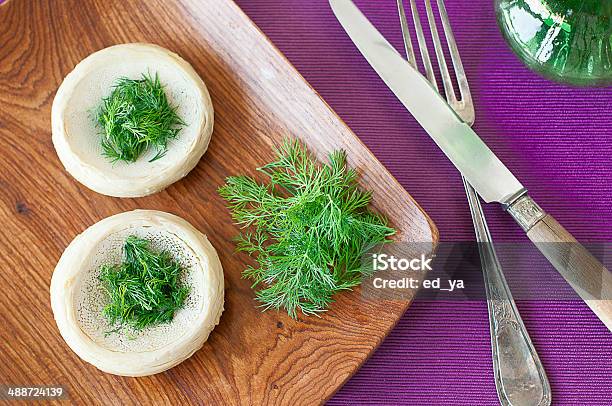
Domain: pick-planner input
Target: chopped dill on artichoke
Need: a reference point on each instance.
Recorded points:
(135, 117)
(145, 289)
(307, 229)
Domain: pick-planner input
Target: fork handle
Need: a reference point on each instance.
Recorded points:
(589, 277)
(520, 378)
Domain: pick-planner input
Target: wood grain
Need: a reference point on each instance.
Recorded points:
(586, 275)
(250, 358)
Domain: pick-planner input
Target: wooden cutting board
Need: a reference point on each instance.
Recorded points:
(259, 98)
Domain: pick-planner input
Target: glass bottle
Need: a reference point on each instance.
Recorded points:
(565, 40)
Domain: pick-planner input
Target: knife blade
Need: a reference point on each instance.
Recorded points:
(480, 166)
(493, 181)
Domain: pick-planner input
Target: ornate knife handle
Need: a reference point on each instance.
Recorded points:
(520, 378)
(589, 278)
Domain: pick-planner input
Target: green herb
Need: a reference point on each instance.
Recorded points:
(145, 289)
(308, 229)
(135, 117)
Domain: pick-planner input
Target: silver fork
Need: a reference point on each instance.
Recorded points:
(519, 375)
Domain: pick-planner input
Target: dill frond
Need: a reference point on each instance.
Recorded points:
(307, 229)
(145, 289)
(137, 116)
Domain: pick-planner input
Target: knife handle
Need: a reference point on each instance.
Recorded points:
(585, 274)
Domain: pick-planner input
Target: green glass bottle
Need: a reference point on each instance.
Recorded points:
(565, 40)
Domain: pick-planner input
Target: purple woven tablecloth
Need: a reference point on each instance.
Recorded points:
(557, 139)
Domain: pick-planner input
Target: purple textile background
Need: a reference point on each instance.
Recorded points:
(557, 139)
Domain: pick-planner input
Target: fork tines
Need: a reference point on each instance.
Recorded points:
(463, 106)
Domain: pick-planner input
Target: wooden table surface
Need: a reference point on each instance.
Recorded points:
(259, 98)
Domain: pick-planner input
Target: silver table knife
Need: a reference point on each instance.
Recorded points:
(478, 164)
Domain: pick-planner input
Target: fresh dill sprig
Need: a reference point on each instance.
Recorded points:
(137, 116)
(145, 289)
(307, 229)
